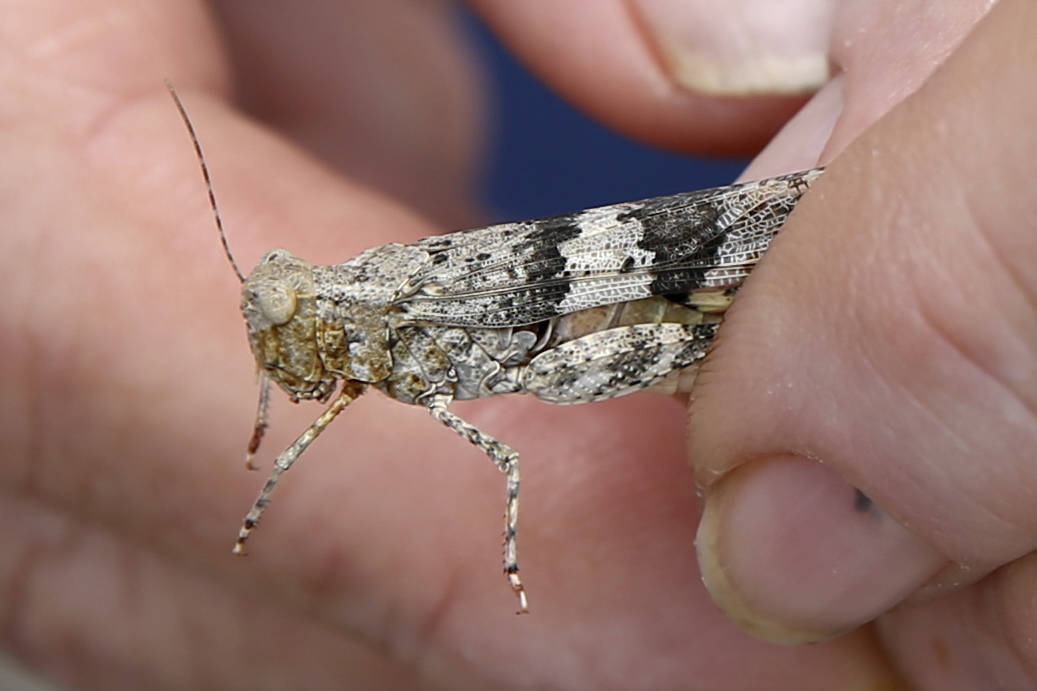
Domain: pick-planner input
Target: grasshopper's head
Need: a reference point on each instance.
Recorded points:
(278, 302)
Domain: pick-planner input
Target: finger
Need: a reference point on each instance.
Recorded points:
(890, 337)
(388, 93)
(678, 74)
(975, 638)
(878, 61)
(881, 60)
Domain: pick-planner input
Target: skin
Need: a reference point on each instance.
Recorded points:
(127, 383)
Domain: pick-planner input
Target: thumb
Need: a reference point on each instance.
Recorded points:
(866, 429)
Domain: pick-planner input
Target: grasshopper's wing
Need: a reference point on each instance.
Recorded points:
(520, 273)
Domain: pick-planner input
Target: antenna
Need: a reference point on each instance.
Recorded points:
(205, 174)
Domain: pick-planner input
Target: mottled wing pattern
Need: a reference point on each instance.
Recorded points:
(521, 273)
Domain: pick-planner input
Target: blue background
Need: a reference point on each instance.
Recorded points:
(546, 158)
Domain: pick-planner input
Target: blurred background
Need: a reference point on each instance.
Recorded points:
(546, 158)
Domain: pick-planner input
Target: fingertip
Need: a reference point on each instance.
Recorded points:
(794, 554)
(746, 48)
(609, 63)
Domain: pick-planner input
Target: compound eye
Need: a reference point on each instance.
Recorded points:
(276, 302)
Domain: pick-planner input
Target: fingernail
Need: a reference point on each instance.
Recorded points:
(794, 554)
(740, 47)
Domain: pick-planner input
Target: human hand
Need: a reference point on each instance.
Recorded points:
(126, 378)
(888, 344)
